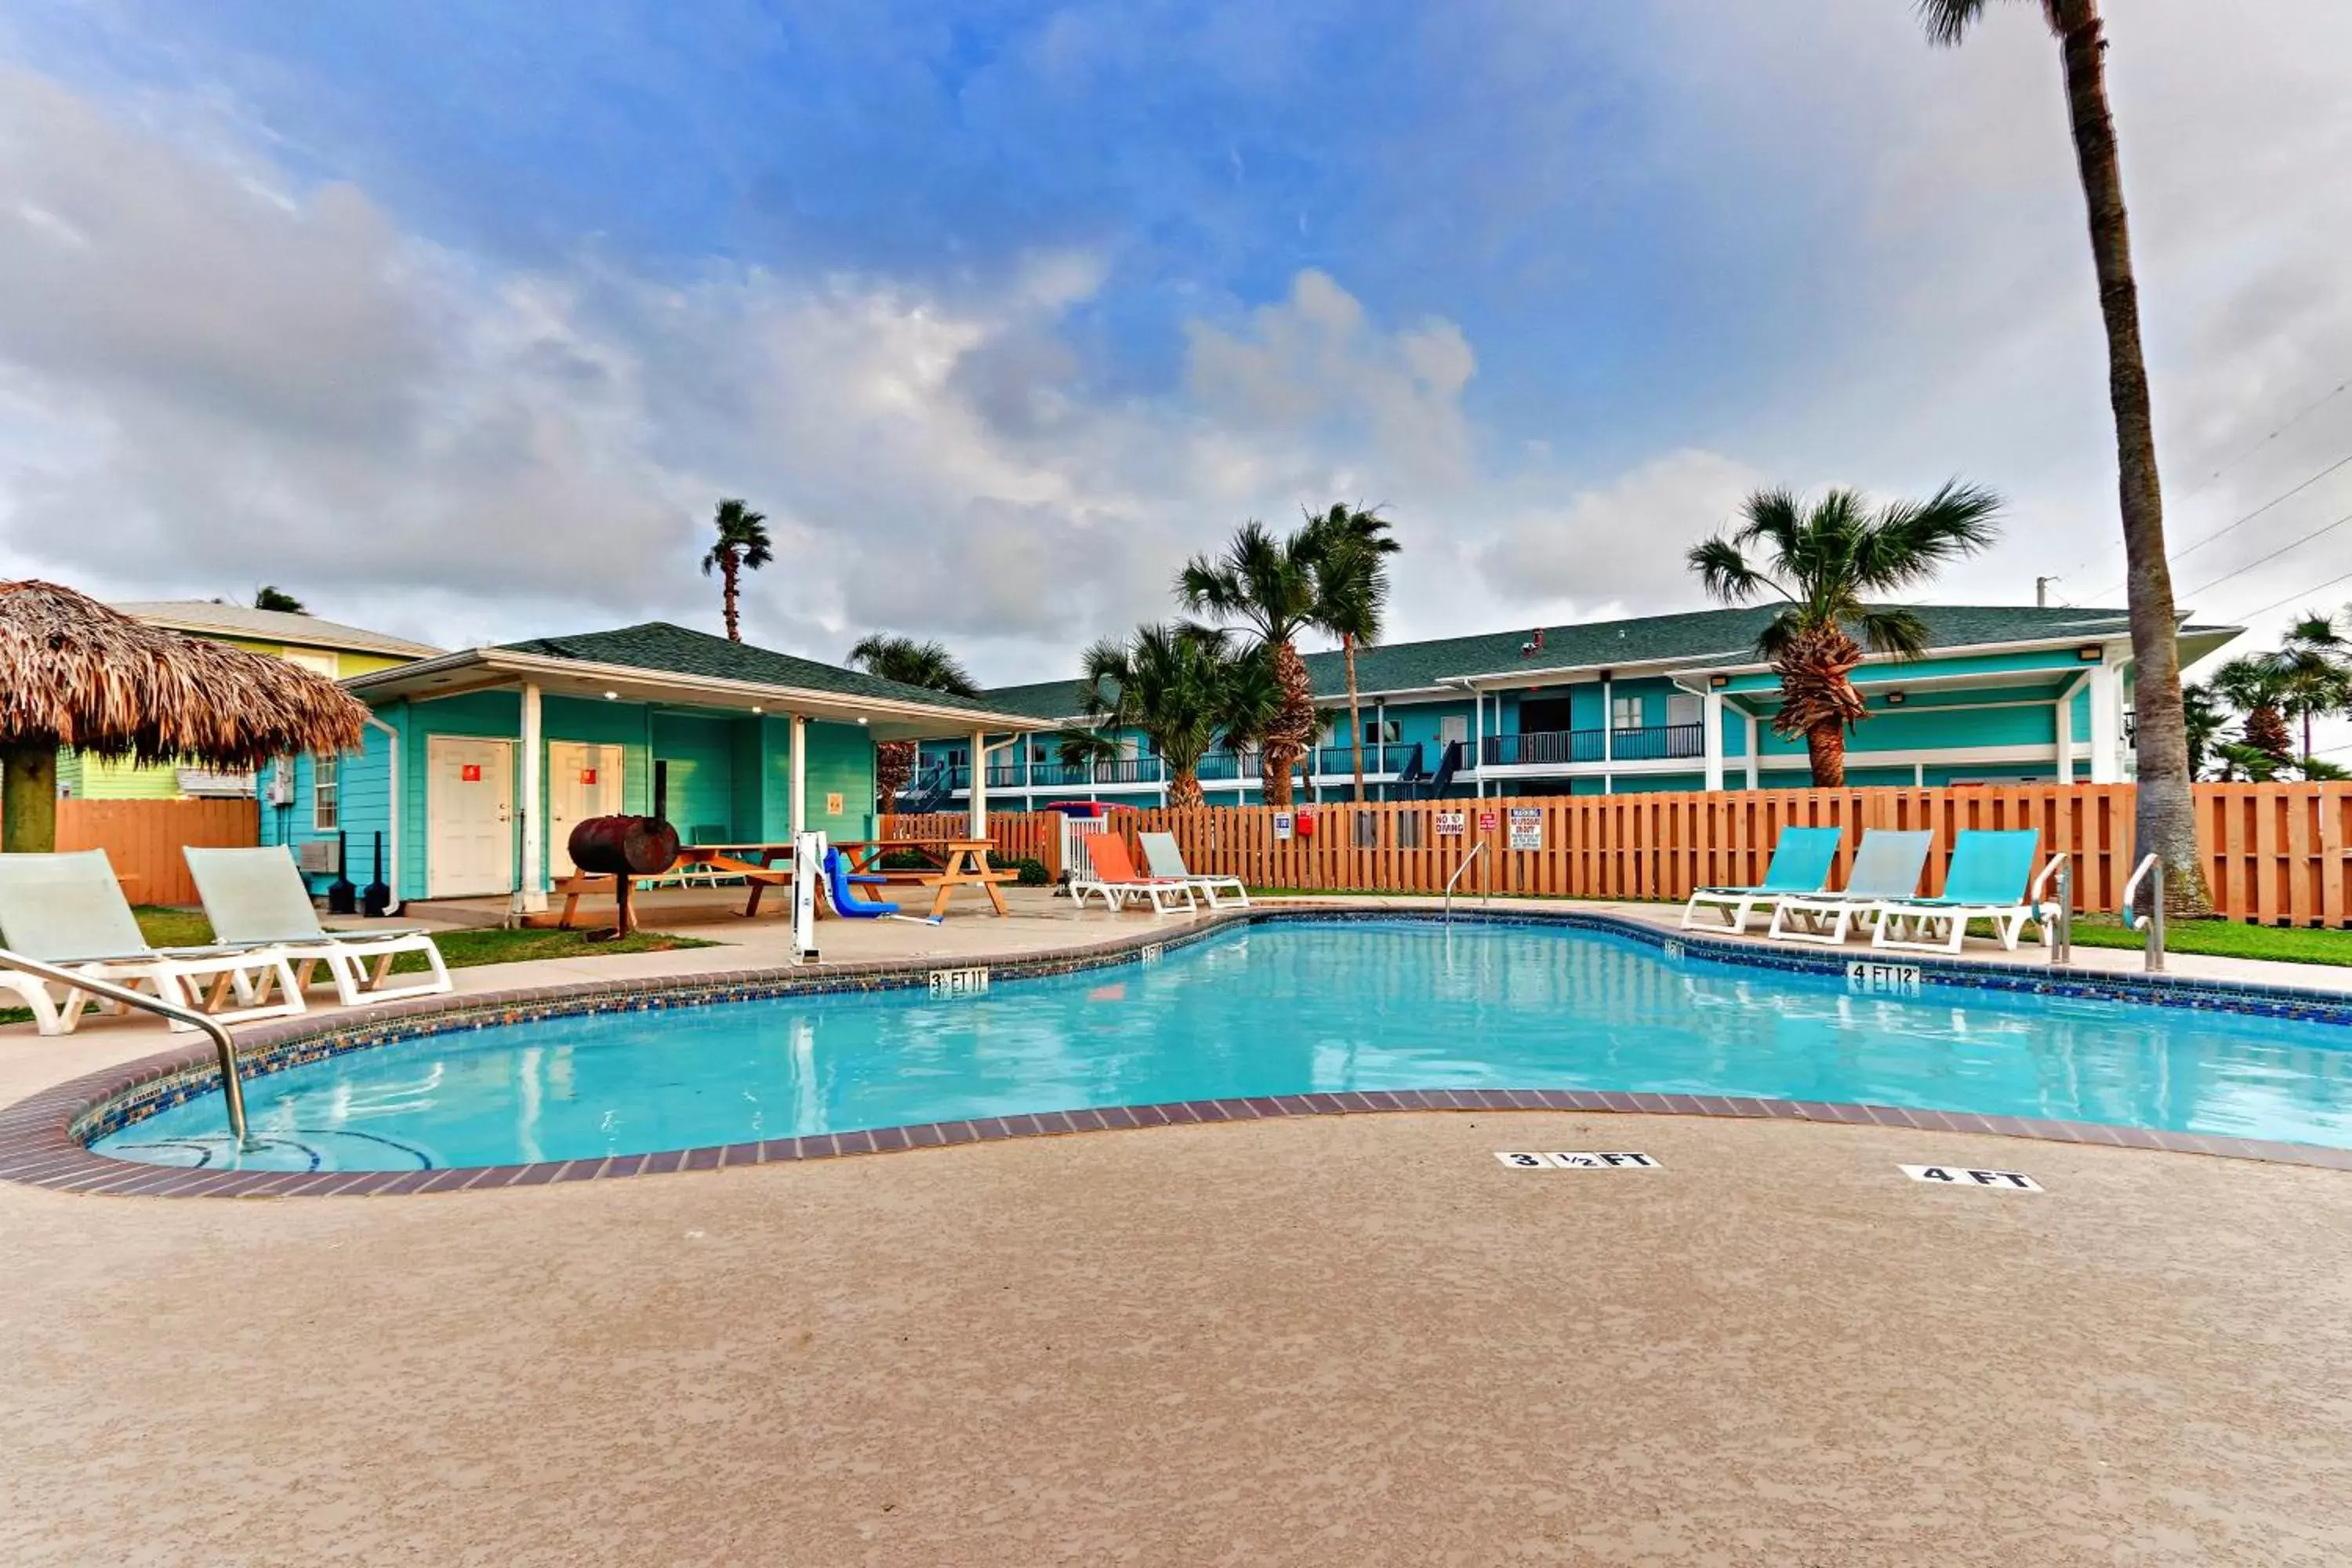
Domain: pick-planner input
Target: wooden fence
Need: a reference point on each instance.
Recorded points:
(2278, 854)
(142, 838)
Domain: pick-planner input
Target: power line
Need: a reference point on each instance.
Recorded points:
(2206, 483)
(2183, 554)
(2272, 556)
(2298, 594)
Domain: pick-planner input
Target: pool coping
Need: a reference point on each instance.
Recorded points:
(44, 1138)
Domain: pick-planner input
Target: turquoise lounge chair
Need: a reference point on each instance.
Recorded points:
(1987, 881)
(1887, 866)
(1801, 862)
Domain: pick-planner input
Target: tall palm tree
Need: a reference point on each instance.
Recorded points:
(2256, 685)
(1268, 585)
(2205, 715)
(1351, 596)
(1825, 560)
(2166, 810)
(2315, 662)
(910, 663)
(270, 596)
(743, 546)
(1186, 688)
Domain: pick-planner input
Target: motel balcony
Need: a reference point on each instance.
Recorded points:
(1571, 748)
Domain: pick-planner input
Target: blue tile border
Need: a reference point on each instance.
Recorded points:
(44, 1138)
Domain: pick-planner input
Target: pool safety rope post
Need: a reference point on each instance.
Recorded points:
(224, 1045)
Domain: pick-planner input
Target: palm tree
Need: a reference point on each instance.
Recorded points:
(2204, 714)
(743, 546)
(1186, 688)
(2315, 662)
(910, 663)
(2166, 811)
(270, 597)
(1825, 560)
(1268, 584)
(1351, 594)
(2256, 686)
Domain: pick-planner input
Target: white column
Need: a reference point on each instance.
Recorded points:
(1608, 724)
(1711, 713)
(1477, 741)
(531, 805)
(2106, 724)
(796, 805)
(980, 784)
(1755, 773)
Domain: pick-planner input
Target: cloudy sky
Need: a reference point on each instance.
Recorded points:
(456, 319)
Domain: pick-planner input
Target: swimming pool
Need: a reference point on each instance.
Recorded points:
(1291, 1008)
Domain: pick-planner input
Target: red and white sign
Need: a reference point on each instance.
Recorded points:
(469, 773)
(1486, 820)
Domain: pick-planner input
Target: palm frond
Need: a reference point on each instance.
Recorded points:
(1948, 21)
(1725, 573)
(1908, 542)
(1893, 630)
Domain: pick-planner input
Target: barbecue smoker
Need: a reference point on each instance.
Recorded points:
(625, 849)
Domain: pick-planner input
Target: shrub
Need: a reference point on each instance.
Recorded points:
(907, 860)
(1032, 869)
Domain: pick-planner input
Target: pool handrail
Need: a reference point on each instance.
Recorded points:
(223, 1043)
(2149, 867)
(1486, 897)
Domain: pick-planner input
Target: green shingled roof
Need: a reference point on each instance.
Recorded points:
(659, 645)
(1696, 638)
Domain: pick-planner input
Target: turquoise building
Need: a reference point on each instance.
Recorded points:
(1657, 703)
(477, 765)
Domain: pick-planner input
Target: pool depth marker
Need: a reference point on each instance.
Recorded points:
(1614, 1160)
(1967, 1176)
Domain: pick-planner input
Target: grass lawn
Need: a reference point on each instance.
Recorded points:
(459, 949)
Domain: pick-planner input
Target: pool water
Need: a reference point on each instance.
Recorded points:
(1285, 1008)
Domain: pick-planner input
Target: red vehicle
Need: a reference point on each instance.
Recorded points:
(1086, 807)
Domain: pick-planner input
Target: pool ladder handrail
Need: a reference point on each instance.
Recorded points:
(223, 1043)
(2151, 869)
(1487, 895)
(2059, 927)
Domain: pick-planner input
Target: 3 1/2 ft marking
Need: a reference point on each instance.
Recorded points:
(1967, 1176)
(1616, 1160)
(959, 981)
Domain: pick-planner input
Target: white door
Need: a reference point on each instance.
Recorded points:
(469, 813)
(582, 780)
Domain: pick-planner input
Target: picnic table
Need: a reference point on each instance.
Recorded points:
(755, 864)
(955, 863)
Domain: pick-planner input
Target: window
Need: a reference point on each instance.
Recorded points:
(1624, 712)
(325, 789)
(1388, 731)
(1682, 708)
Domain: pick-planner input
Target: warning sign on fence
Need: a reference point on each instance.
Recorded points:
(1526, 828)
(1449, 824)
(1281, 826)
(1486, 820)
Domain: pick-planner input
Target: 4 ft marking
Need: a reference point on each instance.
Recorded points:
(1962, 1176)
(1870, 979)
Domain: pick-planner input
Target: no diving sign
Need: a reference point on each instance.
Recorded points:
(1963, 1176)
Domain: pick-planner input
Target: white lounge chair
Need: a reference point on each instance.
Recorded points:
(1165, 860)
(1986, 880)
(256, 900)
(1112, 873)
(68, 910)
(1801, 861)
(1887, 866)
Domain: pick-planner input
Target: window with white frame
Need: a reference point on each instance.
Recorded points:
(325, 793)
(1624, 712)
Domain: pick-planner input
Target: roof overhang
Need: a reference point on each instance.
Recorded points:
(493, 669)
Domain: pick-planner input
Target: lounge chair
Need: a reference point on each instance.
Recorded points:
(1887, 866)
(1167, 862)
(1801, 862)
(1988, 881)
(256, 898)
(68, 910)
(1112, 874)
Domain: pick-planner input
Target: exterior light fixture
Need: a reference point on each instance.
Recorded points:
(1718, 681)
(757, 709)
(2091, 654)
(1895, 699)
(612, 697)
(861, 718)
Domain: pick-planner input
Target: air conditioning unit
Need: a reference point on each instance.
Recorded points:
(324, 856)
(282, 785)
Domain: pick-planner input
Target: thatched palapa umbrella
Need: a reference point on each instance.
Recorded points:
(75, 673)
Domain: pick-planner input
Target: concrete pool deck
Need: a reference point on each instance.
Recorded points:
(1339, 1340)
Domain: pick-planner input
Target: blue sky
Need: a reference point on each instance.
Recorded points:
(429, 309)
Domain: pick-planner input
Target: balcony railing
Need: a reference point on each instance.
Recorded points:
(1064, 775)
(1556, 748)
(1380, 759)
(1228, 766)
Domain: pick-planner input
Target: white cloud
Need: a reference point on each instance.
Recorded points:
(1618, 546)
